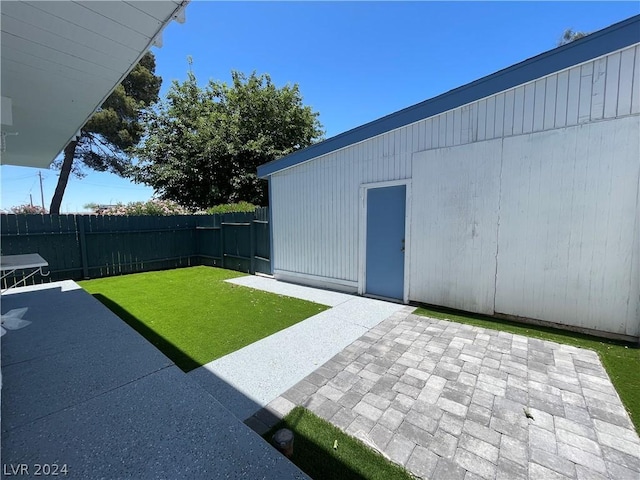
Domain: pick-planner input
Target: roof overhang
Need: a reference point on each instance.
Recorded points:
(61, 60)
(610, 39)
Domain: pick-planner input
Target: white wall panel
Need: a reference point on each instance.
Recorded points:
(586, 89)
(507, 119)
(434, 125)
(500, 116)
(491, 117)
(539, 104)
(635, 99)
(517, 126)
(627, 60)
(481, 124)
(465, 122)
(611, 86)
(597, 92)
(424, 136)
(453, 226)
(562, 85)
(447, 136)
(573, 96)
(599, 82)
(529, 107)
(566, 237)
(550, 99)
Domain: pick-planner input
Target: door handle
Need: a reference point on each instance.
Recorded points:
(402, 249)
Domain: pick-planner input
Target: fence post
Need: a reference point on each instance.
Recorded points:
(252, 244)
(221, 219)
(83, 245)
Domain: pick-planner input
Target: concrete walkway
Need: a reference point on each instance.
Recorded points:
(451, 401)
(248, 379)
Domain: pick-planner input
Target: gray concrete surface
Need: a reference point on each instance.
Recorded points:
(451, 401)
(81, 388)
(248, 379)
(268, 284)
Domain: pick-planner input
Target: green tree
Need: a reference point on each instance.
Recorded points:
(106, 140)
(202, 146)
(571, 35)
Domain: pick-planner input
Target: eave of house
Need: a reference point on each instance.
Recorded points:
(61, 60)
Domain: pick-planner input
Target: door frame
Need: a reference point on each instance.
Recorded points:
(362, 227)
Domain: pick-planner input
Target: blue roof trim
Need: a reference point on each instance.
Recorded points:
(612, 38)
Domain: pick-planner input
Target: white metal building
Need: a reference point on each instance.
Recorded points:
(515, 195)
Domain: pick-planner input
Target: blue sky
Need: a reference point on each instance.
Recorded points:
(354, 62)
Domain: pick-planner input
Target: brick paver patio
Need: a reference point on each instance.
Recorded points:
(451, 401)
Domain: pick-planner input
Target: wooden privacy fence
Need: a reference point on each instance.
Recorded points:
(92, 246)
(238, 241)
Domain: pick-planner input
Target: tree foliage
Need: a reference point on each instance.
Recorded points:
(106, 140)
(240, 207)
(153, 207)
(27, 209)
(202, 146)
(571, 35)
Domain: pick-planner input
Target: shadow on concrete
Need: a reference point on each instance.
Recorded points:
(81, 389)
(311, 456)
(178, 356)
(233, 399)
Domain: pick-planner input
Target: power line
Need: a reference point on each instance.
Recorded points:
(17, 178)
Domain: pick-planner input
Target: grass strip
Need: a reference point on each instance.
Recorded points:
(193, 316)
(620, 359)
(314, 453)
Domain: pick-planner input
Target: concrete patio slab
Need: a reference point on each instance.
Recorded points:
(77, 357)
(248, 379)
(48, 305)
(447, 400)
(160, 426)
(83, 389)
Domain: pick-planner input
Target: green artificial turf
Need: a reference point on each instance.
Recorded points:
(193, 316)
(314, 454)
(620, 359)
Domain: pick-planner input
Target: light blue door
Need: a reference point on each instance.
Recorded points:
(385, 241)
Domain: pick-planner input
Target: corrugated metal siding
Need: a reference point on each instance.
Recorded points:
(315, 204)
(566, 243)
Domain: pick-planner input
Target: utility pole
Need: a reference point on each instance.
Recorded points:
(31, 199)
(41, 190)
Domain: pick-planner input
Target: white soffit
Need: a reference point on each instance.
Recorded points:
(61, 60)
